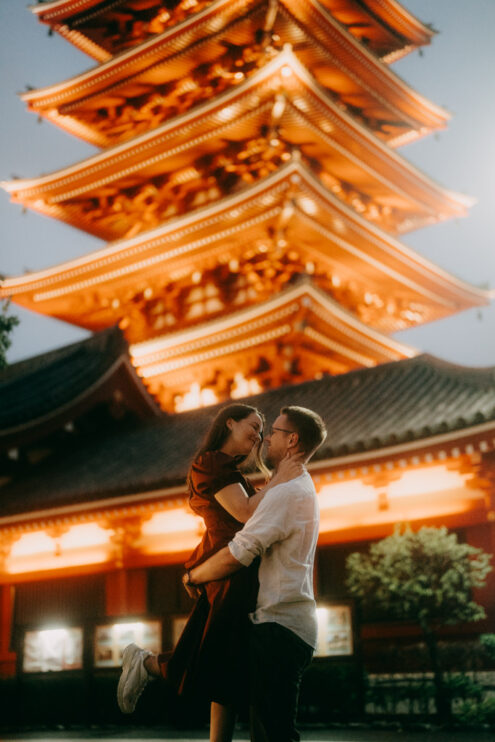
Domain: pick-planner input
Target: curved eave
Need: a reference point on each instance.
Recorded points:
(129, 157)
(420, 114)
(399, 18)
(183, 236)
(410, 32)
(121, 372)
(54, 14)
(392, 88)
(58, 10)
(135, 60)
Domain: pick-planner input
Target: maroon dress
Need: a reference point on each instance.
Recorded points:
(210, 659)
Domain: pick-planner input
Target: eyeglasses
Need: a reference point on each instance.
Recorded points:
(281, 430)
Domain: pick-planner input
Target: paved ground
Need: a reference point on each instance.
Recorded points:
(310, 735)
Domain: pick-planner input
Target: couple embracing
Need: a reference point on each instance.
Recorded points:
(252, 631)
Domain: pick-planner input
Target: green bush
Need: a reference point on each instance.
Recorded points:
(487, 642)
(472, 712)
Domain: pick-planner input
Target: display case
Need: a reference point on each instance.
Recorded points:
(335, 630)
(112, 639)
(53, 650)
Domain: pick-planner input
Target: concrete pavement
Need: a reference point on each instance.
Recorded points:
(347, 734)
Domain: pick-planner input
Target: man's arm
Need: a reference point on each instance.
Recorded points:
(271, 522)
(217, 566)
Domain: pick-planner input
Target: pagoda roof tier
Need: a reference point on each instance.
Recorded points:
(46, 393)
(215, 49)
(238, 137)
(411, 412)
(103, 28)
(296, 335)
(240, 250)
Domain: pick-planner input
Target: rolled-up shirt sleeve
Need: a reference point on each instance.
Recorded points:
(271, 522)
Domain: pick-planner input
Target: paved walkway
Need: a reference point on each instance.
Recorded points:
(308, 735)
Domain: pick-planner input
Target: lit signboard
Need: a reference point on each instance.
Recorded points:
(112, 639)
(52, 650)
(335, 630)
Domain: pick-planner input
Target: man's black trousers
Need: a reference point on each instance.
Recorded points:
(278, 658)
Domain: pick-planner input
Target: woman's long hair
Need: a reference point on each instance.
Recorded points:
(218, 433)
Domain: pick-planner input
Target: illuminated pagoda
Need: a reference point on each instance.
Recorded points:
(251, 200)
(246, 145)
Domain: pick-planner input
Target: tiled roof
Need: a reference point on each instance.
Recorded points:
(43, 386)
(365, 410)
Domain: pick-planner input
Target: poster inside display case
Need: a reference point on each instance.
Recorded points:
(53, 650)
(335, 630)
(112, 639)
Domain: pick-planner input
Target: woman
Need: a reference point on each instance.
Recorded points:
(209, 659)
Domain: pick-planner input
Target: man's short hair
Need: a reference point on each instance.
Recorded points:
(308, 425)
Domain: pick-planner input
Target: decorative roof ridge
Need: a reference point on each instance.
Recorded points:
(435, 365)
(443, 366)
(352, 379)
(426, 361)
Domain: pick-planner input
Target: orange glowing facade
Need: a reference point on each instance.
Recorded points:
(251, 197)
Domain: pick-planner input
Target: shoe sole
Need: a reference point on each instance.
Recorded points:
(127, 658)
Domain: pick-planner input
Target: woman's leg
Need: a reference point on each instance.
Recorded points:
(222, 721)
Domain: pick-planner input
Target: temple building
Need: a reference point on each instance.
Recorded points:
(251, 199)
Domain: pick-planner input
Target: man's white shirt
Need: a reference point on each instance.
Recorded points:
(284, 532)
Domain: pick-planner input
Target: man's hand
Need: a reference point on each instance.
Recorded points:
(194, 591)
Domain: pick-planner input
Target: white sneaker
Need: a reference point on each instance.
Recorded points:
(134, 677)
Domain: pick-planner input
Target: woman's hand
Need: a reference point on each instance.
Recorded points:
(194, 591)
(289, 468)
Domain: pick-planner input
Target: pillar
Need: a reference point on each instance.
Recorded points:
(126, 592)
(7, 658)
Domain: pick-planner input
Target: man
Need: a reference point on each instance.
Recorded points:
(284, 532)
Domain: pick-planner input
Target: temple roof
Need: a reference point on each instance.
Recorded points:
(285, 224)
(399, 408)
(42, 393)
(210, 52)
(102, 28)
(234, 139)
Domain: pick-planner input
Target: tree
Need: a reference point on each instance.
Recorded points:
(425, 577)
(7, 324)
